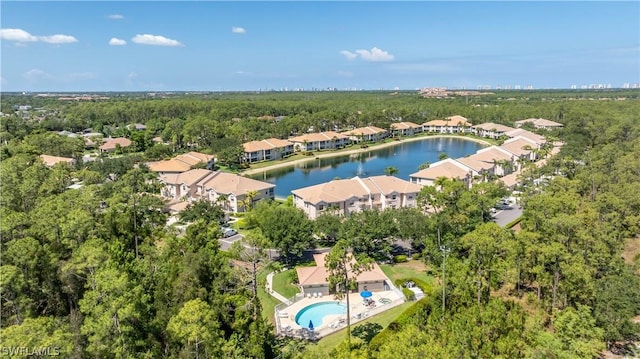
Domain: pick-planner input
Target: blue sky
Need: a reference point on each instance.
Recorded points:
(206, 45)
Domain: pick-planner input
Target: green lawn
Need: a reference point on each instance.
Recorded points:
(268, 302)
(282, 284)
(410, 269)
(331, 341)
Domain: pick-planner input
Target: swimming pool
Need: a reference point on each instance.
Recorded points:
(316, 312)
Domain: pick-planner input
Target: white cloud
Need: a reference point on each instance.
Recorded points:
(375, 55)
(238, 30)
(58, 39)
(34, 75)
(117, 42)
(349, 55)
(17, 35)
(155, 40)
(115, 17)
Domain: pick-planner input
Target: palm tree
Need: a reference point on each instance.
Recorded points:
(223, 201)
(247, 202)
(390, 171)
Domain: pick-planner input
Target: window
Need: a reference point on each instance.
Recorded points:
(320, 207)
(393, 197)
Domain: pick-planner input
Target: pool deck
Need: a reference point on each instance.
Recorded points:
(286, 317)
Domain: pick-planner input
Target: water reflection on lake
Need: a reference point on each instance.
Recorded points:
(406, 157)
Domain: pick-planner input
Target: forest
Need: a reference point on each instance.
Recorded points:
(96, 272)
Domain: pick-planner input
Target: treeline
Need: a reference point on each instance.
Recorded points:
(96, 272)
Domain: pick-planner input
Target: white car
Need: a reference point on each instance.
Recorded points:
(228, 232)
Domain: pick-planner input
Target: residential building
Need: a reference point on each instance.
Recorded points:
(346, 196)
(266, 150)
(314, 279)
(111, 144)
(484, 170)
(448, 168)
(367, 134)
(452, 124)
(522, 147)
(51, 161)
(233, 192)
(491, 130)
(540, 123)
(540, 140)
(405, 128)
(504, 162)
(328, 140)
(182, 163)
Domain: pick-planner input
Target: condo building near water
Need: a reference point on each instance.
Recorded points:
(229, 190)
(346, 196)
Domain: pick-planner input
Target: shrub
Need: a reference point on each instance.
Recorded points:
(364, 146)
(293, 277)
(410, 295)
(416, 256)
(423, 304)
(400, 258)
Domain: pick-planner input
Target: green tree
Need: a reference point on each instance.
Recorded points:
(390, 171)
(195, 330)
(343, 271)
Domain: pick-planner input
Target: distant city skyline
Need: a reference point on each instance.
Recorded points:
(250, 46)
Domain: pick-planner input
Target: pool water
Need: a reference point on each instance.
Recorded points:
(316, 312)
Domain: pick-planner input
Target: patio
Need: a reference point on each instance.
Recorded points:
(286, 312)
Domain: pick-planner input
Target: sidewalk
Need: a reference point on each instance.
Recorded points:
(269, 288)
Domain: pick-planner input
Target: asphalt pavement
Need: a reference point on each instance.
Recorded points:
(507, 215)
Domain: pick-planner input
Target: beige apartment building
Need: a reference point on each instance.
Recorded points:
(346, 196)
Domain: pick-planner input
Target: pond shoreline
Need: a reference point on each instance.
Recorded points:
(356, 151)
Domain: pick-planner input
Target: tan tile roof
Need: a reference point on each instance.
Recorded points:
(435, 123)
(494, 126)
(510, 180)
(50, 161)
(404, 125)
(369, 130)
(518, 146)
(110, 143)
(268, 144)
(180, 163)
(540, 122)
(177, 207)
(345, 189)
(389, 184)
(459, 120)
(527, 134)
(318, 275)
(188, 178)
(475, 164)
(228, 183)
(331, 192)
(318, 136)
(491, 154)
(442, 169)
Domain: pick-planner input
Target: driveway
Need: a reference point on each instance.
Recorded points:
(226, 243)
(508, 215)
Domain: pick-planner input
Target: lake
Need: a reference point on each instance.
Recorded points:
(405, 156)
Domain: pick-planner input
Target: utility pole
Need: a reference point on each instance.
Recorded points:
(444, 250)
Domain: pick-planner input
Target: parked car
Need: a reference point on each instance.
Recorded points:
(228, 232)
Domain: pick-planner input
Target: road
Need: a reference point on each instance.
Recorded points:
(226, 243)
(506, 216)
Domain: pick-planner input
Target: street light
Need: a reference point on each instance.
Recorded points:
(444, 250)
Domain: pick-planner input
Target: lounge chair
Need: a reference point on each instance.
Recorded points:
(315, 295)
(308, 295)
(283, 314)
(319, 294)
